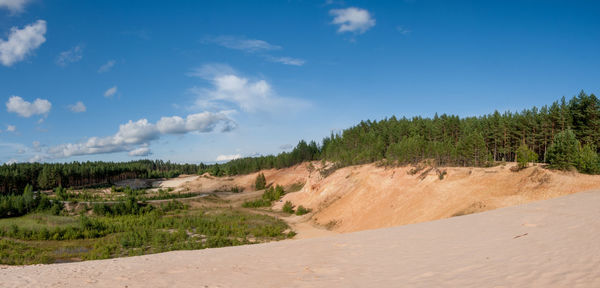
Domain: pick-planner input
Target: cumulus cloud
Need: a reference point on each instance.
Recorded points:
(107, 66)
(14, 6)
(135, 137)
(228, 157)
(70, 56)
(110, 92)
(352, 19)
(243, 44)
(22, 42)
(287, 60)
(230, 88)
(11, 128)
(77, 107)
(142, 151)
(26, 109)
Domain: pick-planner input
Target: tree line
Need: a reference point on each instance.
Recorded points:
(14, 177)
(447, 140)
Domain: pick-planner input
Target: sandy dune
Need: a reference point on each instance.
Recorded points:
(552, 243)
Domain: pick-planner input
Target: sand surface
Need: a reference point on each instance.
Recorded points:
(552, 243)
(364, 197)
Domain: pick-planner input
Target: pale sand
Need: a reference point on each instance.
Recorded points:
(552, 243)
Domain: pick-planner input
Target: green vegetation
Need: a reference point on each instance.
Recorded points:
(301, 210)
(564, 151)
(270, 195)
(524, 156)
(27, 202)
(14, 177)
(288, 207)
(448, 140)
(129, 228)
(261, 182)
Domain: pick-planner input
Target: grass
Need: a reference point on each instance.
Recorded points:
(45, 238)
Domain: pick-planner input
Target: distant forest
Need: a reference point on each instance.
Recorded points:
(565, 134)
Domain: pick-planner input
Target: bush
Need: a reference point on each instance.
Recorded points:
(524, 156)
(588, 160)
(288, 207)
(301, 210)
(260, 182)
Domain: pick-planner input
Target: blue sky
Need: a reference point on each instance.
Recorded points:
(192, 81)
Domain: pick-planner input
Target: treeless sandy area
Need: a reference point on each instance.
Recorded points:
(364, 197)
(551, 243)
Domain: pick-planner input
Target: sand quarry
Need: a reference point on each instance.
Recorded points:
(551, 243)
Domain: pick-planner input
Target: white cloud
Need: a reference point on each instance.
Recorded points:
(26, 109)
(14, 6)
(133, 136)
(70, 56)
(110, 92)
(77, 107)
(228, 157)
(107, 66)
(142, 151)
(352, 19)
(241, 43)
(11, 128)
(230, 88)
(11, 161)
(21, 42)
(287, 60)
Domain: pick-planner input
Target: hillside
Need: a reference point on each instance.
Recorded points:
(369, 196)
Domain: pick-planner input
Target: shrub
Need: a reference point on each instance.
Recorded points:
(288, 207)
(301, 210)
(588, 160)
(260, 182)
(524, 156)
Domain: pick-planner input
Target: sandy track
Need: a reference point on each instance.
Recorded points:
(552, 243)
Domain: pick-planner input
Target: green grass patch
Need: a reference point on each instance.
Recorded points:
(45, 238)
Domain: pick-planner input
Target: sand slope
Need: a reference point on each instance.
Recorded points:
(368, 197)
(552, 243)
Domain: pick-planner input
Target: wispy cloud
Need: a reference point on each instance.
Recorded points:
(14, 6)
(221, 158)
(27, 109)
(107, 66)
(403, 30)
(110, 92)
(72, 55)
(242, 43)
(352, 19)
(11, 128)
(78, 107)
(229, 88)
(22, 42)
(286, 60)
